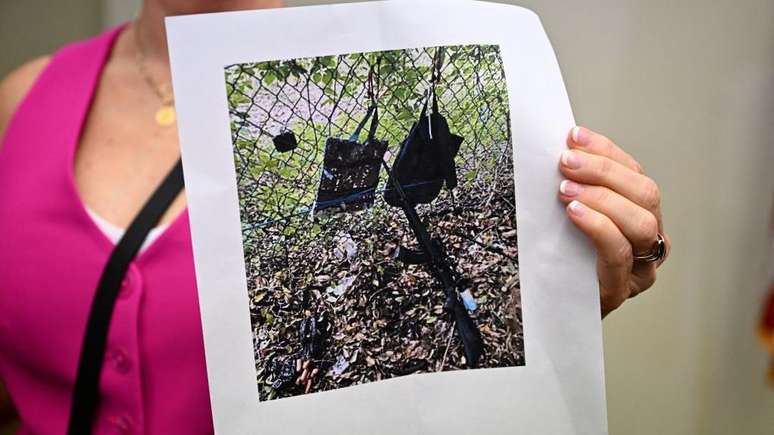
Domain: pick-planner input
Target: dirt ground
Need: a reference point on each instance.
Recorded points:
(379, 318)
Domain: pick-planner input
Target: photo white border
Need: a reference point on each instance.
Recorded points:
(561, 388)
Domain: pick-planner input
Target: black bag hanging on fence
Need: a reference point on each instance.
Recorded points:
(350, 172)
(426, 158)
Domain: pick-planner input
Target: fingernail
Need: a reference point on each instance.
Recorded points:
(569, 188)
(580, 135)
(576, 209)
(572, 159)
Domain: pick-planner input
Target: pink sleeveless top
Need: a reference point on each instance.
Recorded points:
(51, 257)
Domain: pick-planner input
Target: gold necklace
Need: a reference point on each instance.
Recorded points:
(165, 115)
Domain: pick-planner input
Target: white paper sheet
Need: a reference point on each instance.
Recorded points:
(560, 389)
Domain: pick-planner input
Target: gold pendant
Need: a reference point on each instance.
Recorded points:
(166, 116)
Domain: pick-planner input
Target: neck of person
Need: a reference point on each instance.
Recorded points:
(149, 24)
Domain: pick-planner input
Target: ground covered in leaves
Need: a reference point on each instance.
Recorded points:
(380, 318)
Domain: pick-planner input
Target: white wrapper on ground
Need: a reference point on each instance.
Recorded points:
(561, 388)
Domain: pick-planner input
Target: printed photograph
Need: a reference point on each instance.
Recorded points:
(378, 211)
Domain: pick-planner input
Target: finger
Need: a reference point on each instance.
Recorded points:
(638, 225)
(614, 253)
(583, 139)
(596, 170)
(643, 277)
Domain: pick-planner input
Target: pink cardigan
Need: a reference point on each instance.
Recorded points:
(51, 257)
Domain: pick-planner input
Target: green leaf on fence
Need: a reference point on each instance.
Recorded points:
(269, 78)
(328, 61)
(406, 115)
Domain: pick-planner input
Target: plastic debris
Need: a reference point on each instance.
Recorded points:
(469, 300)
(344, 285)
(342, 364)
(346, 248)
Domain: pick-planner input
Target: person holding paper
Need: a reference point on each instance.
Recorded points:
(618, 207)
(87, 135)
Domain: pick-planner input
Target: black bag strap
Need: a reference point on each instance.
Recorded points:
(373, 109)
(374, 123)
(356, 135)
(430, 93)
(435, 78)
(374, 86)
(86, 392)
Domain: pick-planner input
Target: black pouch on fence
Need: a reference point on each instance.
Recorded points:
(426, 159)
(285, 142)
(350, 172)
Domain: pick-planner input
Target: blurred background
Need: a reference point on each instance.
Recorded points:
(688, 88)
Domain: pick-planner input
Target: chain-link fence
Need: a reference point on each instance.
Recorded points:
(325, 97)
(302, 262)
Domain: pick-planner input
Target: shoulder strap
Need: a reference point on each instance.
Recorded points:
(372, 84)
(86, 392)
(375, 86)
(356, 135)
(374, 124)
(438, 60)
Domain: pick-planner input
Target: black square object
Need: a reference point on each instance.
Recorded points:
(350, 175)
(285, 142)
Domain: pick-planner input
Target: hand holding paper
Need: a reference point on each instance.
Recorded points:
(618, 208)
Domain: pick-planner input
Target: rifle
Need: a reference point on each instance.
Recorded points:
(435, 258)
(341, 160)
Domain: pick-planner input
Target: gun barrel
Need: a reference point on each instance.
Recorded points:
(470, 335)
